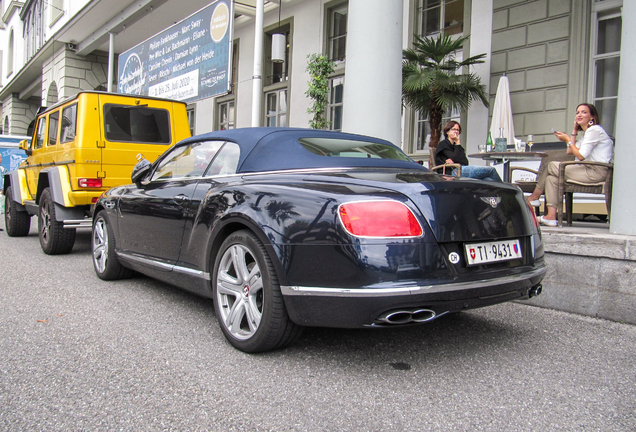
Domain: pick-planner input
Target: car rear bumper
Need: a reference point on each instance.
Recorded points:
(352, 308)
(84, 198)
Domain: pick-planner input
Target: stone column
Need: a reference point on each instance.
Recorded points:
(623, 202)
(373, 82)
(478, 122)
(20, 113)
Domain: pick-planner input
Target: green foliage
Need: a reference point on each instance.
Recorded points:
(319, 68)
(431, 84)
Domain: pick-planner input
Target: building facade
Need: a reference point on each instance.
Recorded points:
(555, 53)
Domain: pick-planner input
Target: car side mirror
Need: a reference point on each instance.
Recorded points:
(24, 145)
(140, 171)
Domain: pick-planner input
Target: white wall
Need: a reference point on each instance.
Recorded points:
(307, 38)
(71, 7)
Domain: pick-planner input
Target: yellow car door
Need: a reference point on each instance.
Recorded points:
(130, 127)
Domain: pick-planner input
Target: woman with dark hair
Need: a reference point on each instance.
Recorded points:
(449, 150)
(595, 145)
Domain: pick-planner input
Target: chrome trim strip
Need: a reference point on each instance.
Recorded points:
(196, 273)
(257, 173)
(164, 266)
(411, 290)
(145, 261)
(302, 170)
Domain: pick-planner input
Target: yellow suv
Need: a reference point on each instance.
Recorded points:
(80, 148)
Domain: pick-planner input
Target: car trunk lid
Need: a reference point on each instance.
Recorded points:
(456, 209)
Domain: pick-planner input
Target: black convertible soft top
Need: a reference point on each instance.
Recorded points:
(274, 149)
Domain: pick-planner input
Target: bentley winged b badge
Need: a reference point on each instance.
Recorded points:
(493, 201)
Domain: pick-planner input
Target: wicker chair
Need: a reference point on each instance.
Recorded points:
(441, 169)
(569, 187)
(553, 155)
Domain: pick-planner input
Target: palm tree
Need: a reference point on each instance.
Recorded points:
(431, 85)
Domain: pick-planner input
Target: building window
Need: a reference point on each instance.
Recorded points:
(423, 130)
(190, 113)
(33, 29)
(235, 60)
(227, 115)
(56, 8)
(276, 80)
(606, 45)
(276, 107)
(334, 110)
(39, 24)
(440, 16)
(276, 72)
(337, 31)
(10, 54)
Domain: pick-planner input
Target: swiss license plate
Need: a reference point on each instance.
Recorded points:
(489, 252)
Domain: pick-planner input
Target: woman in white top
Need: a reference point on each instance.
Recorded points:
(595, 145)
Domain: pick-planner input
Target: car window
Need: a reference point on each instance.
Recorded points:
(141, 124)
(226, 161)
(69, 124)
(53, 121)
(187, 161)
(40, 133)
(337, 147)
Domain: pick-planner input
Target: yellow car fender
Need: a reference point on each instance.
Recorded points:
(59, 184)
(18, 185)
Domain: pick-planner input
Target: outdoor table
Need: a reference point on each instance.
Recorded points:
(507, 157)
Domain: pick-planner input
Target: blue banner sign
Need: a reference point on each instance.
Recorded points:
(11, 156)
(189, 61)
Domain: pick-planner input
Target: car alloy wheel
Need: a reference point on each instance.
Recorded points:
(105, 261)
(240, 292)
(100, 245)
(247, 297)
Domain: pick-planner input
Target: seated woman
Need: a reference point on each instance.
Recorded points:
(595, 145)
(449, 150)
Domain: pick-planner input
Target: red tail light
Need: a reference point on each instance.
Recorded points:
(534, 215)
(379, 219)
(90, 182)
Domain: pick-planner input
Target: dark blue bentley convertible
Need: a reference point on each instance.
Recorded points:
(286, 228)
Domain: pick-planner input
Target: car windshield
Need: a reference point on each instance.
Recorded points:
(187, 160)
(351, 148)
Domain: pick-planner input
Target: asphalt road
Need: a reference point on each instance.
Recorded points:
(77, 353)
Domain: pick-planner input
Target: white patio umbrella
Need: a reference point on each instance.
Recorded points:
(502, 113)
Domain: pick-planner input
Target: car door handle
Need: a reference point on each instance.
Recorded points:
(180, 199)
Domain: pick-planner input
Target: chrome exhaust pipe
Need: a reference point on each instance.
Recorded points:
(406, 316)
(535, 291)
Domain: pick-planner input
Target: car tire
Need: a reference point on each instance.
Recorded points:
(105, 261)
(247, 298)
(17, 222)
(54, 238)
